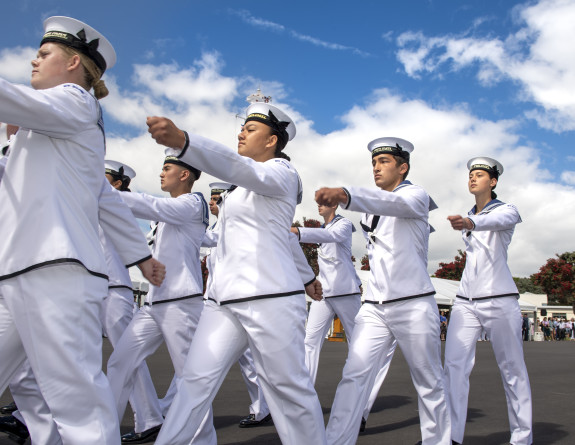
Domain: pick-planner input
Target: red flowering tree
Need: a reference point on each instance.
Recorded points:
(453, 270)
(309, 249)
(365, 262)
(557, 278)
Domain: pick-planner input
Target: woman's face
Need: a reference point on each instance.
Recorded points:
(50, 67)
(480, 182)
(256, 141)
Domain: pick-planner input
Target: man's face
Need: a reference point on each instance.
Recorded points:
(386, 173)
(214, 209)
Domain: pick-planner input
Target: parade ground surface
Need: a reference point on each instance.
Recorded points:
(394, 418)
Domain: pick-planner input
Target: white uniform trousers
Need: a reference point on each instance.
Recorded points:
(319, 321)
(259, 408)
(52, 316)
(32, 408)
(501, 320)
(117, 312)
(414, 325)
(175, 323)
(168, 398)
(273, 328)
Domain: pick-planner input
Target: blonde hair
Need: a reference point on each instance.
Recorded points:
(92, 74)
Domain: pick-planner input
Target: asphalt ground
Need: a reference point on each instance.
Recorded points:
(394, 418)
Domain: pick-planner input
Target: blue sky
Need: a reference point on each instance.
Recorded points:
(458, 78)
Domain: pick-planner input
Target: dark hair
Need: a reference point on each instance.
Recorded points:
(398, 161)
(280, 145)
(125, 181)
(491, 176)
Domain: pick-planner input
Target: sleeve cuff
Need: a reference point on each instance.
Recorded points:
(348, 197)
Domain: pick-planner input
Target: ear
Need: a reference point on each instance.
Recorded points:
(403, 168)
(184, 174)
(272, 141)
(492, 182)
(117, 184)
(74, 62)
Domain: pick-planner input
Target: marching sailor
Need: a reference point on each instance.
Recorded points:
(53, 274)
(257, 297)
(399, 304)
(487, 301)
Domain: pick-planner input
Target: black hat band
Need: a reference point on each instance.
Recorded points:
(388, 149)
(89, 49)
(271, 121)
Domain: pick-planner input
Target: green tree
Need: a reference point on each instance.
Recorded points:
(557, 278)
(453, 270)
(527, 285)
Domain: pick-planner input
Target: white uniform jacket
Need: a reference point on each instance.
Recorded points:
(53, 180)
(3, 161)
(486, 273)
(397, 231)
(118, 273)
(336, 272)
(253, 257)
(182, 222)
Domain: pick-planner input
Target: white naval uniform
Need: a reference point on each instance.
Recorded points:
(487, 300)
(399, 306)
(117, 312)
(342, 296)
(53, 274)
(172, 311)
(258, 407)
(258, 301)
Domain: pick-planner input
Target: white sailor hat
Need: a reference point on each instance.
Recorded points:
(116, 168)
(84, 38)
(484, 163)
(217, 188)
(273, 117)
(392, 146)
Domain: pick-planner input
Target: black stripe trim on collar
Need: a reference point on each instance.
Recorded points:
(139, 261)
(516, 295)
(120, 286)
(342, 295)
(154, 303)
(51, 263)
(401, 299)
(261, 297)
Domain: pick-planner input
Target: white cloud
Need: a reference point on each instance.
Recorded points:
(248, 18)
(15, 64)
(537, 57)
(568, 177)
(444, 139)
(201, 99)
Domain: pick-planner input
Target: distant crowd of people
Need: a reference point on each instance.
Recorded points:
(557, 328)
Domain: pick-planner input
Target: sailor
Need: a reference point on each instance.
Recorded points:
(171, 311)
(117, 313)
(33, 409)
(53, 273)
(399, 304)
(258, 299)
(341, 291)
(487, 301)
(259, 412)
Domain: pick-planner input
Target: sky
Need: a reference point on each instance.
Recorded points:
(457, 78)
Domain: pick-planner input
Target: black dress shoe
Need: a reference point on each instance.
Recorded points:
(362, 426)
(8, 409)
(143, 437)
(15, 429)
(250, 421)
